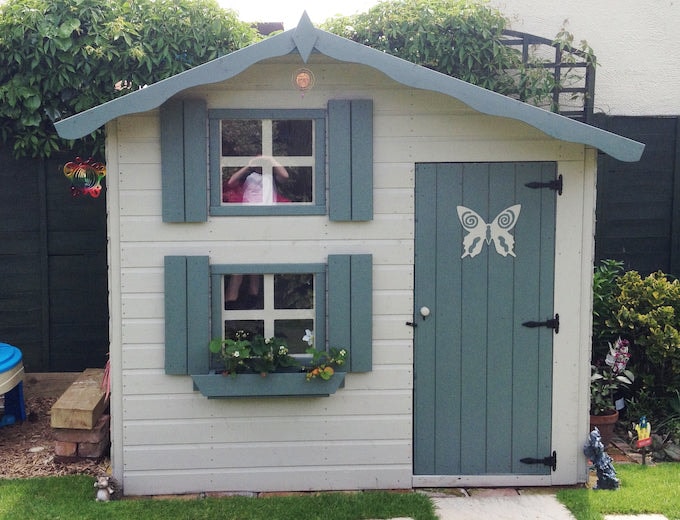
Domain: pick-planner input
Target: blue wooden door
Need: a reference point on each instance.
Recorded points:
(484, 266)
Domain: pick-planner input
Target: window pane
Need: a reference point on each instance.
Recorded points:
(298, 186)
(243, 292)
(292, 137)
(294, 291)
(251, 327)
(249, 188)
(233, 188)
(293, 331)
(241, 137)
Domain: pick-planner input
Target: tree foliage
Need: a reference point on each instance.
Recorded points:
(60, 57)
(461, 38)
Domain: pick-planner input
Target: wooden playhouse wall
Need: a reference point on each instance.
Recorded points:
(168, 438)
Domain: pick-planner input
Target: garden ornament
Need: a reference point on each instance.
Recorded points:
(104, 489)
(644, 433)
(595, 451)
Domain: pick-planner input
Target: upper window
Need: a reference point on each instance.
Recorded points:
(267, 162)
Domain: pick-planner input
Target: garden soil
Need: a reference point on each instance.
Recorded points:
(27, 449)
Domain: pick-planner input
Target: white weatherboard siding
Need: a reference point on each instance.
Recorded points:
(168, 438)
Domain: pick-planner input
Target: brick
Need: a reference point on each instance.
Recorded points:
(93, 436)
(65, 449)
(89, 450)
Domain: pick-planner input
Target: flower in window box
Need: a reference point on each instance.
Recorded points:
(270, 354)
(263, 355)
(323, 363)
(233, 351)
(308, 337)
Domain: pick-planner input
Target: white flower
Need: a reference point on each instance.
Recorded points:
(283, 350)
(343, 352)
(308, 337)
(236, 354)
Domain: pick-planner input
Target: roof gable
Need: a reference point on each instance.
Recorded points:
(305, 38)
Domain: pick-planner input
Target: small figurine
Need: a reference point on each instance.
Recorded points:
(104, 489)
(594, 450)
(644, 432)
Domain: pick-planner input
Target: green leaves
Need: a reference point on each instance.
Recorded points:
(647, 310)
(67, 27)
(456, 37)
(59, 57)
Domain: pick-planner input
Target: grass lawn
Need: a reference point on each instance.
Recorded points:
(72, 498)
(643, 490)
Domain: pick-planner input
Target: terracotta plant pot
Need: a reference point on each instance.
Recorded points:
(605, 423)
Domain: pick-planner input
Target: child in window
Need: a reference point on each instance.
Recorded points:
(246, 184)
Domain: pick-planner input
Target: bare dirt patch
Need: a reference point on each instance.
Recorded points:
(27, 449)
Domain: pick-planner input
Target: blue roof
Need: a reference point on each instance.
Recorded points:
(305, 39)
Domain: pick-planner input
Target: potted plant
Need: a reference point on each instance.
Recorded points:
(606, 380)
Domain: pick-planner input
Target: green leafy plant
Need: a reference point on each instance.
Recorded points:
(260, 355)
(60, 57)
(645, 403)
(461, 39)
(269, 355)
(233, 351)
(609, 378)
(605, 277)
(647, 310)
(322, 363)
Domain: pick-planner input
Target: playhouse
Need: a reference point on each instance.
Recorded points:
(441, 233)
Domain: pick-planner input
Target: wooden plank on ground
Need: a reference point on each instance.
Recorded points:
(81, 405)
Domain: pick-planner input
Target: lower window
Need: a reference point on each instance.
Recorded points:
(284, 304)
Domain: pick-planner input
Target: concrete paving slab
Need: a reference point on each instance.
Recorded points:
(635, 517)
(501, 507)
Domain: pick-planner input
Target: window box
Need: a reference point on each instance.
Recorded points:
(278, 384)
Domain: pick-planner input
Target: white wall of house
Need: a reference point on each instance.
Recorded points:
(168, 438)
(635, 44)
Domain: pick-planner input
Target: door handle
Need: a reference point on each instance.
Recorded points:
(552, 323)
(424, 312)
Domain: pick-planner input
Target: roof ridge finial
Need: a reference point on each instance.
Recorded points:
(305, 36)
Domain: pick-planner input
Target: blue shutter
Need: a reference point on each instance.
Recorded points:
(172, 161)
(187, 314)
(184, 161)
(350, 159)
(350, 308)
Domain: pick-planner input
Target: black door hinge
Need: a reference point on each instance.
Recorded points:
(555, 185)
(553, 323)
(550, 461)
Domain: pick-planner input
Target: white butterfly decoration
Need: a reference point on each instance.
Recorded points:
(497, 232)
